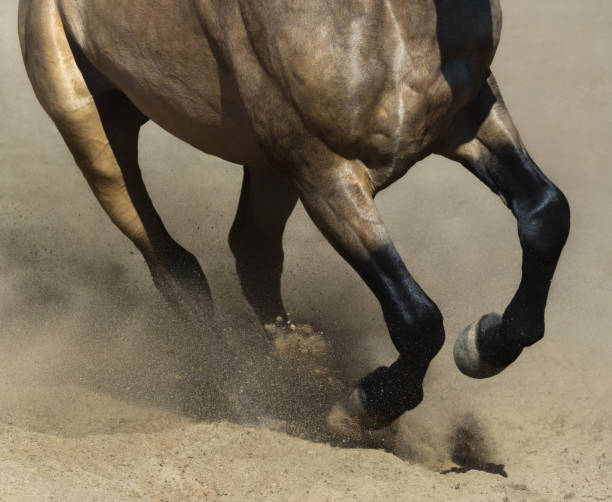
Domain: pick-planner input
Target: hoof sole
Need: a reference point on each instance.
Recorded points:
(466, 353)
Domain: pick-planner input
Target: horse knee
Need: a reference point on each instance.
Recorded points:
(177, 275)
(544, 226)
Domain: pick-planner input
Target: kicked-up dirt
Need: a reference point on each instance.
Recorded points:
(105, 397)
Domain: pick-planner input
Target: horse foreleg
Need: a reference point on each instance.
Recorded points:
(485, 140)
(339, 199)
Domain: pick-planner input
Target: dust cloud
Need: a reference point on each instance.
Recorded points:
(106, 395)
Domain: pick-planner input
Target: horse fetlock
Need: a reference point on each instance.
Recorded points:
(421, 336)
(433, 334)
(526, 336)
(180, 279)
(390, 391)
(260, 272)
(522, 324)
(378, 400)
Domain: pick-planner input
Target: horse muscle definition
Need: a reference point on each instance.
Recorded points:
(323, 101)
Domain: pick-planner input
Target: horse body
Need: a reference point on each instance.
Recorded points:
(365, 78)
(327, 102)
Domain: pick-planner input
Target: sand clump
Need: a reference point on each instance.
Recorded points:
(299, 345)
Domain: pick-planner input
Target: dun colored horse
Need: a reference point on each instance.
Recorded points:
(324, 101)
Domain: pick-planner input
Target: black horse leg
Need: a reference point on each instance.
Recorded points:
(492, 150)
(339, 200)
(266, 202)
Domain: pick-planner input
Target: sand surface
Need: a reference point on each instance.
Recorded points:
(103, 397)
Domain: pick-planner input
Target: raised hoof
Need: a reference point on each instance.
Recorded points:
(350, 419)
(467, 355)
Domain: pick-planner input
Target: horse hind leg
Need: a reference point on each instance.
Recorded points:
(266, 202)
(100, 127)
(493, 151)
(267, 199)
(175, 272)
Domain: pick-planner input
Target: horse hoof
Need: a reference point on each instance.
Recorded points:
(467, 355)
(350, 419)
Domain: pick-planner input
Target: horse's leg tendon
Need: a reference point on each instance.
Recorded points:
(339, 200)
(266, 202)
(485, 140)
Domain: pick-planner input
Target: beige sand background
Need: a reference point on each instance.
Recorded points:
(101, 393)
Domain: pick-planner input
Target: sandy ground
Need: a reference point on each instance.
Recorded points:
(104, 398)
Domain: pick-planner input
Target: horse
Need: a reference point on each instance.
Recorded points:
(326, 102)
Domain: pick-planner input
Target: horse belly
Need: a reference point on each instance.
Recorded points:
(199, 115)
(167, 68)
